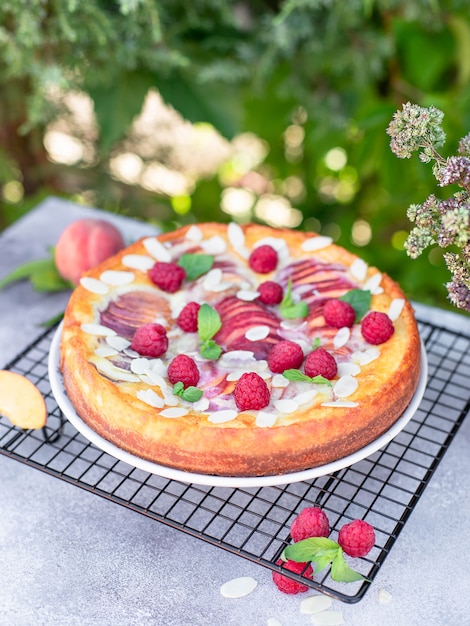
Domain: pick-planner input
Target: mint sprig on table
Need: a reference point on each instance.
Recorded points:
(195, 265)
(289, 308)
(360, 300)
(323, 552)
(42, 273)
(208, 325)
(298, 376)
(190, 394)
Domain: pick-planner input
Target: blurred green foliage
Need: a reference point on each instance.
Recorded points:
(308, 77)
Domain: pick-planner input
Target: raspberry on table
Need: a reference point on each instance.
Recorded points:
(338, 313)
(310, 522)
(167, 276)
(356, 538)
(263, 259)
(183, 369)
(285, 355)
(320, 362)
(251, 392)
(187, 319)
(377, 327)
(270, 292)
(150, 340)
(287, 585)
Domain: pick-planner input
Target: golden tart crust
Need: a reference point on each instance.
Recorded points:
(108, 392)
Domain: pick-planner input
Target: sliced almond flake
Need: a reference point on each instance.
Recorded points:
(227, 415)
(98, 329)
(156, 378)
(201, 405)
(228, 359)
(170, 398)
(140, 365)
(286, 405)
(342, 337)
(214, 245)
(363, 357)
(94, 285)
(340, 404)
(272, 621)
(255, 333)
(265, 419)
(156, 249)
(177, 411)
(162, 321)
(158, 367)
(247, 295)
(315, 604)
(117, 342)
(140, 262)
(212, 279)
(117, 278)
(373, 283)
(106, 351)
(292, 324)
(238, 587)
(132, 353)
(353, 369)
(275, 242)
(235, 235)
(384, 596)
(316, 243)
(358, 269)
(345, 386)
(305, 396)
(261, 366)
(235, 374)
(328, 618)
(396, 307)
(115, 373)
(279, 381)
(194, 234)
(151, 398)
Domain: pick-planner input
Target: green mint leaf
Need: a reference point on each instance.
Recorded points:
(211, 350)
(312, 549)
(178, 388)
(360, 300)
(298, 376)
(195, 265)
(191, 394)
(208, 322)
(316, 343)
(290, 309)
(341, 572)
(42, 273)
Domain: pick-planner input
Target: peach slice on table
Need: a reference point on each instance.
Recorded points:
(21, 401)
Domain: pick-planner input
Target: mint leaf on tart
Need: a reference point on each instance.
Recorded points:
(208, 325)
(190, 394)
(323, 552)
(291, 309)
(195, 265)
(360, 300)
(298, 376)
(316, 343)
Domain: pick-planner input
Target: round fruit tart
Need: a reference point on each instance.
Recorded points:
(239, 350)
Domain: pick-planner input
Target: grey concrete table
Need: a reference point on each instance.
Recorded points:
(69, 557)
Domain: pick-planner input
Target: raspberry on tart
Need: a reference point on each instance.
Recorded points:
(251, 392)
(338, 313)
(285, 355)
(270, 292)
(263, 259)
(377, 327)
(150, 340)
(187, 319)
(167, 276)
(183, 369)
(320, 362)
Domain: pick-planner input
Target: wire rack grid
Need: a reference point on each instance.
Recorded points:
(251, 522)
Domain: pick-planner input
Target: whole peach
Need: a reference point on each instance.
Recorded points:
(84, 244)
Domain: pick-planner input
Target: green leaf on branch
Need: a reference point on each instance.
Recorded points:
(195, 265)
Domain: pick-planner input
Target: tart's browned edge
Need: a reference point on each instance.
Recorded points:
(314, 437)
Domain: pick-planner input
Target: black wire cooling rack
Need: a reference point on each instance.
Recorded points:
(254, 522)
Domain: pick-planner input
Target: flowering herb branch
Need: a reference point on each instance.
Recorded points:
(442, 222)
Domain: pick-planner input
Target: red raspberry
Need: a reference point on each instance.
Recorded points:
(150, 340)
(183, 369)
(285, 355)
(338, 313)
(167, 276)
(377, 327)
(263, 259)
(287, 585)
(321, 363)
(356, 538)
(187, 319)
(310, 522)
(270, 292)
(251, 392)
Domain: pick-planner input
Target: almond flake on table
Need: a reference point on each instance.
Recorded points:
(315, 604)
(238, 587)
(156, 249)
(273, 621)
(328, 618)
(384, 596)
(140, 262)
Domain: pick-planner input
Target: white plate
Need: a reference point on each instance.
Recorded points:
(68, 410)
